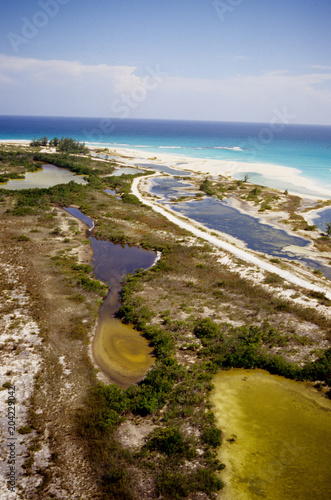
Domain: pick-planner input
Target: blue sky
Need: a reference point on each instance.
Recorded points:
(226, 60)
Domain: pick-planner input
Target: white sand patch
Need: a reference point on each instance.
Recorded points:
(133, 436)
(62, 362)
(20, 361)
(313, 254)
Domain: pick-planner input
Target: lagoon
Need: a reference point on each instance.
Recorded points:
(219, 215)
(47, 177)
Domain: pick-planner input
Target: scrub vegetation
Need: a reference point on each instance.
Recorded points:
(65, 144)
(158, 438)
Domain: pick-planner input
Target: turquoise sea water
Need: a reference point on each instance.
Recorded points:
(306, 148)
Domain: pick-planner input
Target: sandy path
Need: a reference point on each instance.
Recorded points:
(192, 227)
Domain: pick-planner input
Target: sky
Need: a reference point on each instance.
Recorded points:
(223, 60)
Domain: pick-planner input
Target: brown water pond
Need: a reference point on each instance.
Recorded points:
(276, 437)
(119, 350)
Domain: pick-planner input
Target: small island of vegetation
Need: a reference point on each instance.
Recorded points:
(65, 144)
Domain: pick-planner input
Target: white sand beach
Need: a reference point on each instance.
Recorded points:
(287, 177)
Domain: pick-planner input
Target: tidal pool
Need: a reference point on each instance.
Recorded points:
(165, 169)
(126, 170)
(170, 188)
(320, 217)
(276, 437)
(49, 176)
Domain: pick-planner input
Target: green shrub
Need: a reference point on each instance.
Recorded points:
(206, 328)
(255, 191)
(173, 485)
(206, 480)
(273, 278)
(212, 436)
(24, 430)
(167, 440)
(22, 237)
(91, 285)
(130, 198)
(207, 187)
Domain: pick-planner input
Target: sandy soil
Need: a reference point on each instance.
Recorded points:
(48, 368)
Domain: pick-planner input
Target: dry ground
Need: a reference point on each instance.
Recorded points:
(41, 357)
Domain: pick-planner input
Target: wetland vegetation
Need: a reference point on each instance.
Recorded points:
(157, 438)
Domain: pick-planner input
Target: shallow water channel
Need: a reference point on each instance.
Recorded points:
(121, 352)
(276, 437)
(218, 215)
(165, 169)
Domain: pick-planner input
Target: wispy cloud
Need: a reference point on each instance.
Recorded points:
(325, 68)
(59, 87)
(20, 70)
(233, 57)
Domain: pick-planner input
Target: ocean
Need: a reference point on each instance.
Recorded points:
(306, 148)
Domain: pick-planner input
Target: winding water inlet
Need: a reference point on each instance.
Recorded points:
(219, 242)
(119, 350)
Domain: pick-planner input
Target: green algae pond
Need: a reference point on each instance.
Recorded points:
(276, 437)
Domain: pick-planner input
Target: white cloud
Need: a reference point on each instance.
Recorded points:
(326, 68)
(121, 77)
(253, 98)
(70, 88)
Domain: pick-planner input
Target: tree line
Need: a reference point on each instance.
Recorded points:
(65, 144)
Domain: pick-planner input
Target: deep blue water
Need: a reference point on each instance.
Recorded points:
(215, 214)
(304, 147)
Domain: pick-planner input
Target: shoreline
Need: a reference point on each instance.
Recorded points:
(289, 176)
(274, 175)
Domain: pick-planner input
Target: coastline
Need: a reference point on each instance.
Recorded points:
(288, 176)
(193, 283)
(275, 176)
